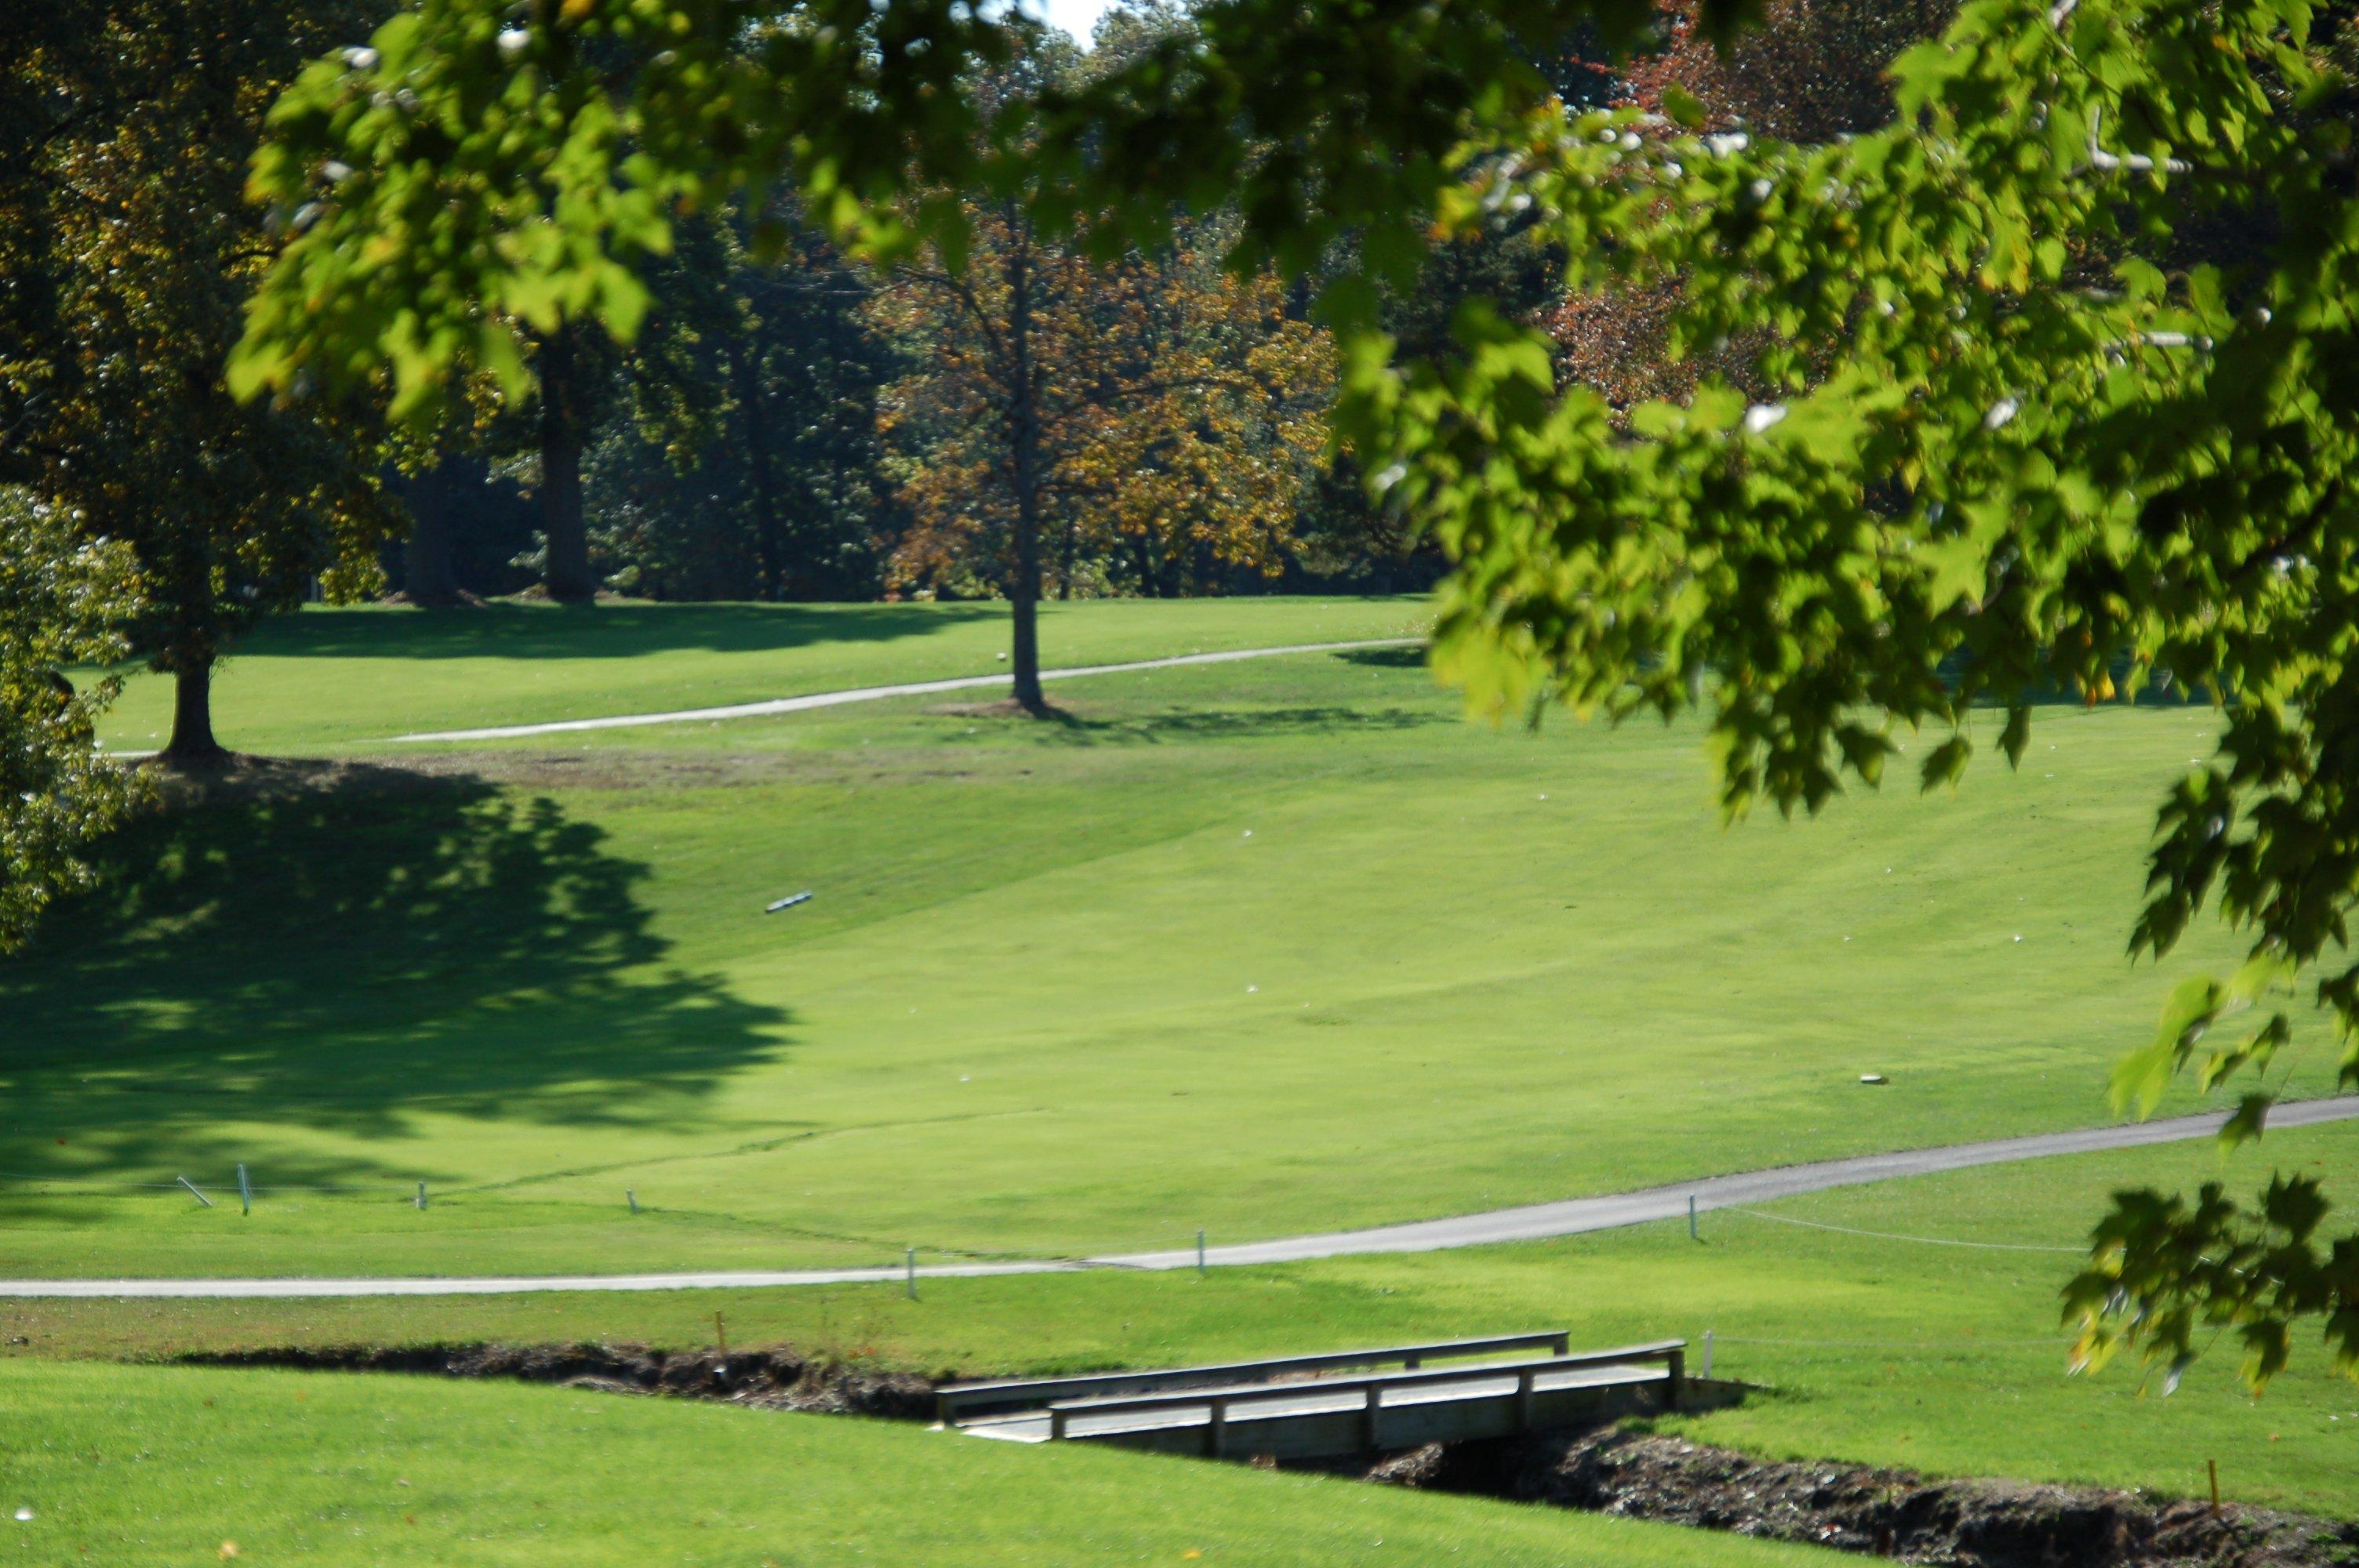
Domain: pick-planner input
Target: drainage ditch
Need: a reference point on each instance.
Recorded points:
(1863, 1508)
(1613, 1470)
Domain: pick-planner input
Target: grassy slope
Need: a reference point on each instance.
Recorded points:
(329, 678)
(1263, 948)
(1941, 1357)
(138, 1466)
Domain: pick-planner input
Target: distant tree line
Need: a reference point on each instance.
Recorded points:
(1034, 418)
(1041, 417)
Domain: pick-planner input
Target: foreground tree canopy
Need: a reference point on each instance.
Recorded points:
(62, 603)
(2050, 383)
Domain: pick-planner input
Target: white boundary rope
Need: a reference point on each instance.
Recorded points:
(1894, 1235)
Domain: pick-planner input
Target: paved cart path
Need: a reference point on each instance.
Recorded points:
(1533, 1222)
(879, 693)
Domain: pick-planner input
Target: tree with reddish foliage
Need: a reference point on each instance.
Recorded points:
(1813, 71)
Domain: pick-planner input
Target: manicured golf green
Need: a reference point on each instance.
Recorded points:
(328, 677)
(1263, 948)
(137, 1466)
(1926, 1354)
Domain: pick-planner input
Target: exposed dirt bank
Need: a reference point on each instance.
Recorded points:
(1889, 1513)
(776, 1379)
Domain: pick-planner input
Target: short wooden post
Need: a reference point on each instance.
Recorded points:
(1199, 1250)
(2213, 1466)
(1524, 1399)
(1691, 1220)
(1368, 1416)
(421, 1195)
(1675, 1385)
(1707, 1352)
(910, 1262)
(1216, 1430)
(245, 1192)
(631, 1199)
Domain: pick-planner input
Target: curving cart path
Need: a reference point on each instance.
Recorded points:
(1532, 1222)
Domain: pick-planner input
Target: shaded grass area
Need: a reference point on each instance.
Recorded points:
(1925, 1354)
(1263, 948)
(329, 676)
(145, 1465)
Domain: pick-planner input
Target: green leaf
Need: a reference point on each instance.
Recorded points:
(2246, 1122)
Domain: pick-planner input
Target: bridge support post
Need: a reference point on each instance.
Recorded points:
(1368, 1417)
(1675, 1385)
(1057, 1419)
(1216, 1428)
(1524, 1399)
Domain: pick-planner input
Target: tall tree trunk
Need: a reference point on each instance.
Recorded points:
(192, 743)
(566, 568)
(1025, 431)
(425, 574)
(769, 528)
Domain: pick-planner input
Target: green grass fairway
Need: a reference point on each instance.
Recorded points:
(134, 1467)
(328, 677)
(1947, 1359)
(1262, 947)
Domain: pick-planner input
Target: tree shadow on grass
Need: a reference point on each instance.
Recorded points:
(340, 958)
(1412, 658)
(605, 630)
(1240, 723)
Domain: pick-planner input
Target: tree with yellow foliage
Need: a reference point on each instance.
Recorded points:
(1144, 425)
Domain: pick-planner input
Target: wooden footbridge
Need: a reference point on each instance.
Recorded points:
(1333, 1405)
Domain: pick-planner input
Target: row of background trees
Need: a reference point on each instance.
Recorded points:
(1022, 421)
(789, 425)
(1026, 423)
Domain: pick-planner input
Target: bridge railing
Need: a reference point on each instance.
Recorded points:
(971, 1399)
(1218, 1401)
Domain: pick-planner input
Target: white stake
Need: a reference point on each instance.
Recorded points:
(192, 1187)
(245, 1192)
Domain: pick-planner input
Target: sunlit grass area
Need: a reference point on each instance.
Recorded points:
(1933, 1342)
(1259, 948)
(145, 1465)
(329, 678)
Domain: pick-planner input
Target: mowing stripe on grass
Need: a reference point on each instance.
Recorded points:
(1532, 1222)
(879, 693)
